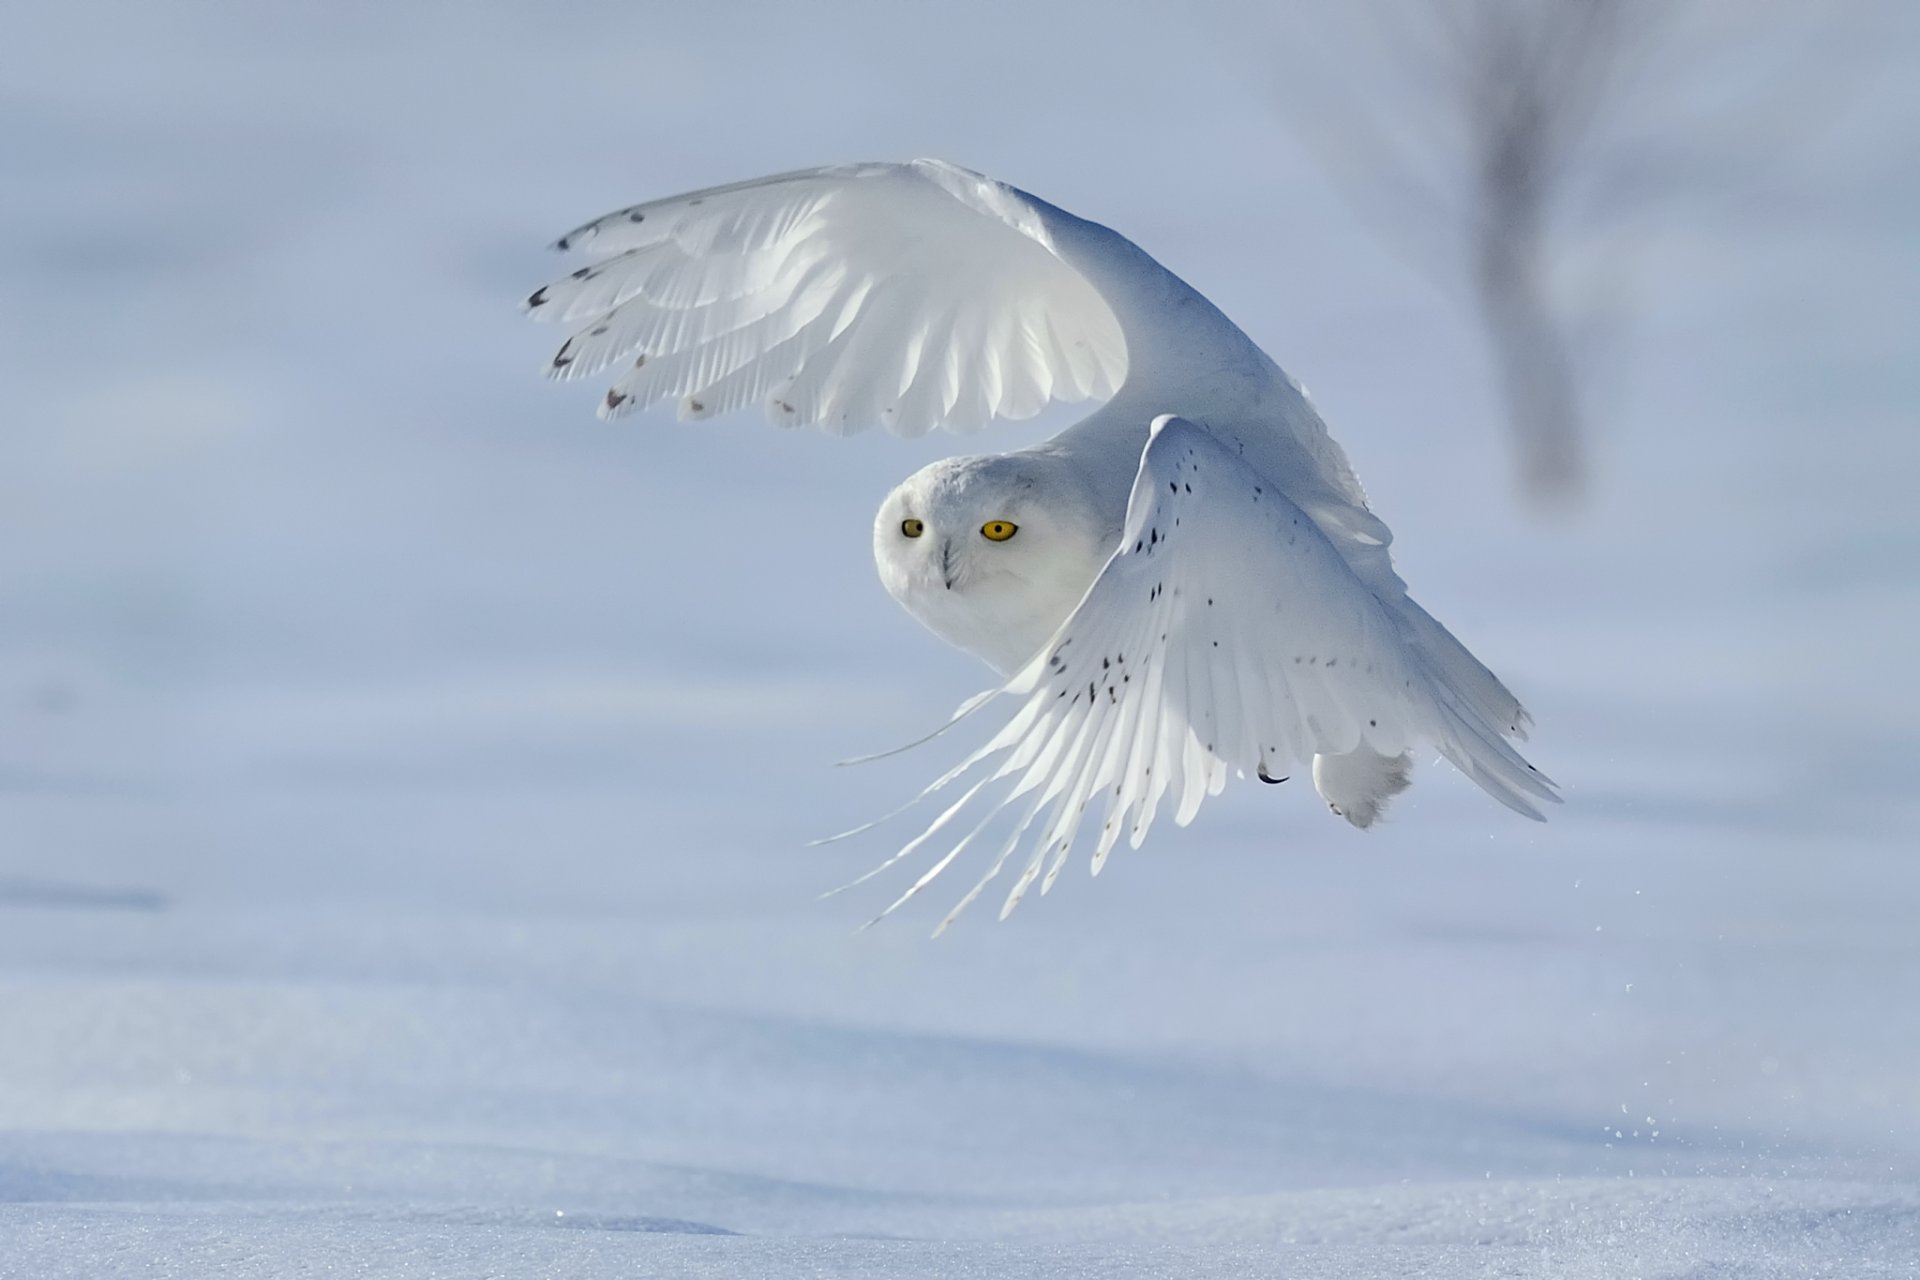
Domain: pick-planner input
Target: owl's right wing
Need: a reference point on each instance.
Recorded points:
(913, 296)
(1226, 634)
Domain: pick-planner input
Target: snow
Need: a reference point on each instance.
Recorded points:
(402, 863)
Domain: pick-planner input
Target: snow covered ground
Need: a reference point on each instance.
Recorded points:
(403, 793)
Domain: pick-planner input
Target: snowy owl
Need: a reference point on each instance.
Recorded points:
(1184, 584)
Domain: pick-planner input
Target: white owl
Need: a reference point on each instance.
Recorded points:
(1185, 583)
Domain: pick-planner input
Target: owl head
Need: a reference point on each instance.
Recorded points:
(990, 553)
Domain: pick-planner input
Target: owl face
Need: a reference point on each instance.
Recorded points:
(985, 554)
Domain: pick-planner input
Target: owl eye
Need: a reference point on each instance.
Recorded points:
(998, 530)
(912, 528)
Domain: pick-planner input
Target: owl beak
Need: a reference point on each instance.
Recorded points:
(946, 562)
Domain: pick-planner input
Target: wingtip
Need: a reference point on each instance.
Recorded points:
(614, 404)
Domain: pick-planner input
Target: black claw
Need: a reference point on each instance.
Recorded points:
(1262, 771)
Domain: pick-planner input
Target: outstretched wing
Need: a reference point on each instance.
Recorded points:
(912, 295)
(1226, 634)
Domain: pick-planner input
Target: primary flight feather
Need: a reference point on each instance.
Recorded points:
(1184, 584)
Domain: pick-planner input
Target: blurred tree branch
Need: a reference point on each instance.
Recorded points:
(1530, 77)
(1505, 94)
(1507, 146)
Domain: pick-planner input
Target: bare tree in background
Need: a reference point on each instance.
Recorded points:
(1505, 95)
(1511, 147)
(1530, 76)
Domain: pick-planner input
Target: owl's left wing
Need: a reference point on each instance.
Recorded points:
(911, 296)
(1226, 634)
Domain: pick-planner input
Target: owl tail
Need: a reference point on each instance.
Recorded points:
(1357, 785)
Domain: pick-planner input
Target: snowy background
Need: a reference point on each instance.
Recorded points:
(403, 792)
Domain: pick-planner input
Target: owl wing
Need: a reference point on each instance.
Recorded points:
(1226, 634)
(912, 295)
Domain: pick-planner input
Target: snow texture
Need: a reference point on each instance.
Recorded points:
(402, 872)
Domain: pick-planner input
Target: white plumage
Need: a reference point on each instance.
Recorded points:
(840, 298)
(1184, 584)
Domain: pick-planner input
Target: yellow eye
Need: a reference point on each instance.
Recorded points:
(998, 530)
(912, 528)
